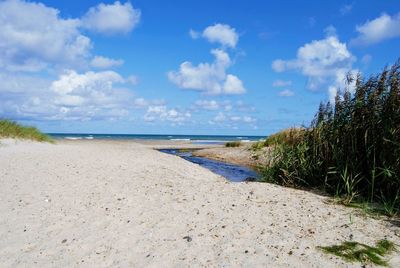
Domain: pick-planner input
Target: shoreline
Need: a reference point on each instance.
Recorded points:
(101, 203)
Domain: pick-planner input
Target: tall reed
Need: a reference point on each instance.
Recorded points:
(352, 147)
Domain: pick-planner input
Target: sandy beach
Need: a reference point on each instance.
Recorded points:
(123, 204)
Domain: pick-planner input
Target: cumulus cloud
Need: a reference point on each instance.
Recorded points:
(208, 78)
(111, 19)
(220, 117)
(233, 85)
(23, 96)
(207, 104)
(72, 96)
(232, 119)
(281, 83)
(162, 113)
(249, 119)
(323, 61)
(33, 36)
(101, 62)
(141, 103)
(286, 93)
(75, 89)
(377, 30)
(221, 33)
(278, 65)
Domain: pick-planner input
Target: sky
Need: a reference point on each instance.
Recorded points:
(185, 67)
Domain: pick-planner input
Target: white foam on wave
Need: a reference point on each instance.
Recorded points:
(73, 138)
(89, 138)
(179, 139)
(209, 141)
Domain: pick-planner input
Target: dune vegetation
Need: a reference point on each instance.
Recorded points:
(352, 147)
(288, 136)
(233, 144)
(11, 129)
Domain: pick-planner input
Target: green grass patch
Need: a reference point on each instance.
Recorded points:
(11, 129)
(233, 144)
(352, 251)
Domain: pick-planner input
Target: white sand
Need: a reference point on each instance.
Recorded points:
(101, 204)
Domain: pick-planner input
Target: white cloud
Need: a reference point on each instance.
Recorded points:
(23, 96)
(72, 96)
(221, 33)
(235, 118)
(100, 88)
(161, 112)
(132, 79)
(286, 93)
(111, 19)
(220, 117)
(281, 83)
(11, 83)
(193, 34)
(232, 119)
(249, 119)
(32, 36)
(208, 78)
(279, 65)
(233, 85)
(141, 102)
(332, 91)
(105, 63)
(323, 61)
(330, 31)
(207, 104)
(377, 30)
(346, 9)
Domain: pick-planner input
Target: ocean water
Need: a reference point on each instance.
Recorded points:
(196, 139)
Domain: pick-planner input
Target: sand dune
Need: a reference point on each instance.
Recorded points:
(122, 204)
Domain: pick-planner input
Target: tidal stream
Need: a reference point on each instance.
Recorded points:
(232, 172)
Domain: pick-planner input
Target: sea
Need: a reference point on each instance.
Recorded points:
(195, 139)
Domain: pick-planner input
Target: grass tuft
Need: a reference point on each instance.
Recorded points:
(11, 129)
(233, 144)
(357, 252)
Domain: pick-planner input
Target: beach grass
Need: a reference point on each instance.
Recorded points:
(287, 136)
(352, 251)
(13, 130)
(233, 144)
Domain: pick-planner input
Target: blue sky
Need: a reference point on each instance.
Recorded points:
(185, 67)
